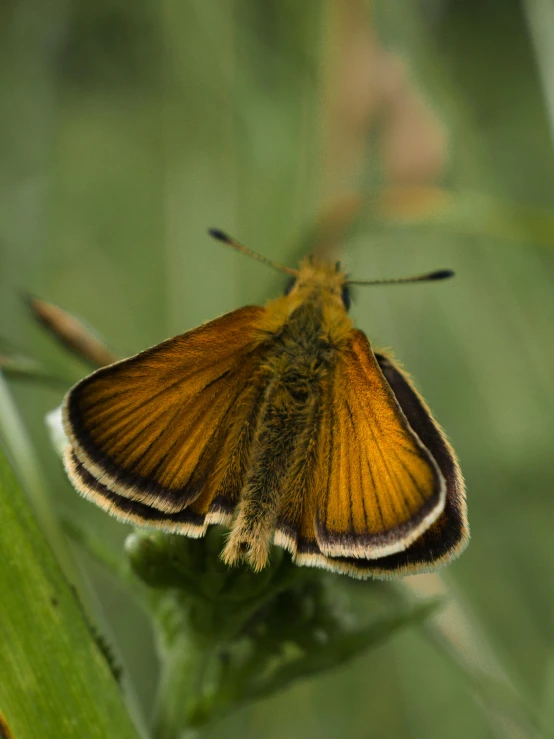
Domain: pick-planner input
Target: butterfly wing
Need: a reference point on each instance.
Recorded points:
(441, 542)
(382, 488)
(449, 535)
(171, 427)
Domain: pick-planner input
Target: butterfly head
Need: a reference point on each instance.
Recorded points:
(320, 280)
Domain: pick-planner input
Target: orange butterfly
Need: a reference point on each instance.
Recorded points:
(281, 423)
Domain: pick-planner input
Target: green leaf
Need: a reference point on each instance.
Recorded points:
(343, 647)
(56, 680)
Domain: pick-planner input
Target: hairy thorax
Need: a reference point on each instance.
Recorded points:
(309, 327)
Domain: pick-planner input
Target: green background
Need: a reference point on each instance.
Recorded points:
(128, 129)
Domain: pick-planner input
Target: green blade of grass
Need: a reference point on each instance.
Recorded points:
(55, 679)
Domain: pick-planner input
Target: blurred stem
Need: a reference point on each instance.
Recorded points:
(540, 17)
(180, 688)
(182, 703)
(458, 637)
(465, 212)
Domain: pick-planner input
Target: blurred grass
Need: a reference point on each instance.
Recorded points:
(126, 131)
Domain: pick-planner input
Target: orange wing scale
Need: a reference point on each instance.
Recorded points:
(383, 488)
(170, 426)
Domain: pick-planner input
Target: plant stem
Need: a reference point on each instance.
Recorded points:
(182, 702)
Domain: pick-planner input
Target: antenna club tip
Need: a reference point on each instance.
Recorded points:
(216, 233)
(442, 274)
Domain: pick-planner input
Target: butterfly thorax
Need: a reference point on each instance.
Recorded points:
(312, 313)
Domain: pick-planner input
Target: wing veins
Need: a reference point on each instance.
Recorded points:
(150, 398)
(141, 429)
(158, 438)
(330, 463)
(153, 419)
(341, 470)
(212, 436)
(351, 416)
(412, 478)
(124, 423)
(395, 484)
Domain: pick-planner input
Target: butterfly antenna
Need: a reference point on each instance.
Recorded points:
(441, 274)
(221, 236)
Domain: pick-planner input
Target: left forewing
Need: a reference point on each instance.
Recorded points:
(164, 437)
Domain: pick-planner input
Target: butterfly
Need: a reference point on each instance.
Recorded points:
(281, 423)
